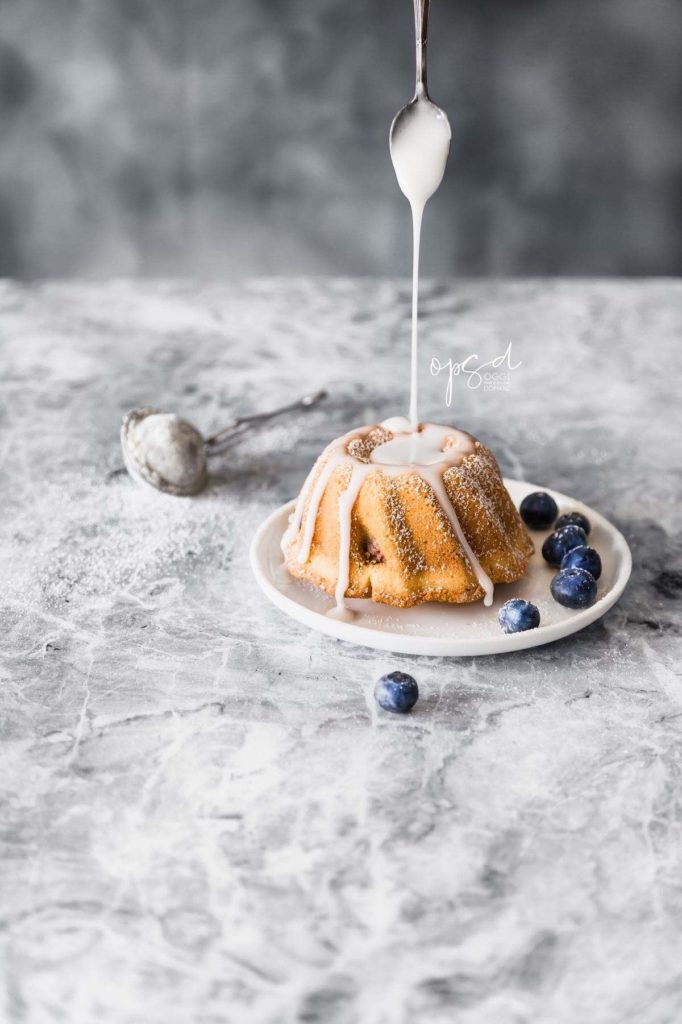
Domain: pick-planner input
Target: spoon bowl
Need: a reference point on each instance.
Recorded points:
(420, 134)
(419, 141)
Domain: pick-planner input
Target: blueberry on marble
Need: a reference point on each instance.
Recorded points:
(574, 588)
(583, 557)
(397, 692)
(517, 615)
(573, 519)
(562, 541)
(538, 510)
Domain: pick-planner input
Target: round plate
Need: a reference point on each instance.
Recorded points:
(444, 630)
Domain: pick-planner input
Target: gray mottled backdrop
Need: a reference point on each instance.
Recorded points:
(216, 137)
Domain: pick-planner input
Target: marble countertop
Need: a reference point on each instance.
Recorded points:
(203, 820)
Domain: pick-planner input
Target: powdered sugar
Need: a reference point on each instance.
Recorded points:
(112, 535)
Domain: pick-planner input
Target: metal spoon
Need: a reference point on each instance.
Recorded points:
(169, 453)
(419, 142)
(424, 123)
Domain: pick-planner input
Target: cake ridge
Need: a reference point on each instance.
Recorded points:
(427, 472)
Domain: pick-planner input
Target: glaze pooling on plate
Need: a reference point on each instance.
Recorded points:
(393, 450)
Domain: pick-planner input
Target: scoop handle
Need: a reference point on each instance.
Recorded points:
(242, 423)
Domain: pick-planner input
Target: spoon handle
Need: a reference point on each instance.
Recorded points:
(421, 29)
(241, 423)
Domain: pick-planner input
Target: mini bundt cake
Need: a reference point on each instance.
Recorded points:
(404, 517)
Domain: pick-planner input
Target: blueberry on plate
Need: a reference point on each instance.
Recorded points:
(561, 541)
(538, 510)
(574, 588)
(573, 519)
(397, 692)
(583, 558)
(517, 615)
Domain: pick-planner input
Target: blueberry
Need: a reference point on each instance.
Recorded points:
(396, 692)
(583, 558)
(574, 588)
(573, 519)
(517, 615)
(538, 510)
(561, 541)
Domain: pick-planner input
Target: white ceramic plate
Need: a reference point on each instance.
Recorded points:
(448, 630)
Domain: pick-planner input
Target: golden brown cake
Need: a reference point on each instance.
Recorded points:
(404, 517)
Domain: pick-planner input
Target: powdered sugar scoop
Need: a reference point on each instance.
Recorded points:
(161, 449)
(169, 453)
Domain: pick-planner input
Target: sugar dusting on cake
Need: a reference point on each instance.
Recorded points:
(391, 449)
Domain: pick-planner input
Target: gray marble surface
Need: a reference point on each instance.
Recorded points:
(203, 818)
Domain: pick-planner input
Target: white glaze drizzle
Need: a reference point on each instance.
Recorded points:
(334, 460)
(419, 151)
(419, 145)
(422, 452)
(346, 501)
(338, 446)
(421, 448)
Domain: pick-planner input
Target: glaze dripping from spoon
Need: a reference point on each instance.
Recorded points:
(419, 141)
